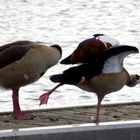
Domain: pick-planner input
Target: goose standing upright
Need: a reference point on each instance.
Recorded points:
(103, 77)
(22, 63)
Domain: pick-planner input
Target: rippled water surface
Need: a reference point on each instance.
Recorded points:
(67, 23)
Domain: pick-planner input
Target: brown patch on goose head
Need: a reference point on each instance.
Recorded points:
(88, 51)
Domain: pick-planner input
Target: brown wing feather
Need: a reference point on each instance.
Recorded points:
(12, 53)
(87, 52)
(24, 42)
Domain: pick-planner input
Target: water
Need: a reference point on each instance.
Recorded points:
(67, 23)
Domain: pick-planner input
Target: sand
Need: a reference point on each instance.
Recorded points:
(74, 115)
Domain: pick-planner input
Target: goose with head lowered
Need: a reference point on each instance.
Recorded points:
(106, 76)
(89, 50)
(22, 63)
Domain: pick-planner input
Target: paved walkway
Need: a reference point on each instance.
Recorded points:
(77, 115)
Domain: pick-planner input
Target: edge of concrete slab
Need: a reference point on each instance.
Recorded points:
(125, 130)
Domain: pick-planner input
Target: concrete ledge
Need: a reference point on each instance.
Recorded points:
(125, 130)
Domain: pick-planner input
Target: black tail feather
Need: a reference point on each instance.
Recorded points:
(65, 79)
(74, 74)
(58, 78)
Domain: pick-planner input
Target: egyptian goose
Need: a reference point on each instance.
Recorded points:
(22, 63)
(89, 49)
(106, 76)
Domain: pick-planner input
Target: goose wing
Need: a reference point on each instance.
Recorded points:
(12, 52)
(22, 42)
(111, 61)
(107, 39)
(89, 49)
(86, 52)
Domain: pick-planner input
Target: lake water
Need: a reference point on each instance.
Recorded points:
(67, 23)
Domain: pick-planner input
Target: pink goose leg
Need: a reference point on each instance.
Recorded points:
(97, 113)
(98, 107)
(17, 114)
(44, 97)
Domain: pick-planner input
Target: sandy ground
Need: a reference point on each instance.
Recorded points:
(75, 115)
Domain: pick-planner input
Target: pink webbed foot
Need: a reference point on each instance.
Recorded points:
(22, 116)
(44, 97)
(17, 114)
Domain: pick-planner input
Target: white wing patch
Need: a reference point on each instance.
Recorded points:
(114, 64)
(111, 40)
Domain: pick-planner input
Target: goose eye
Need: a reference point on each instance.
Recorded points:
(137, 77)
